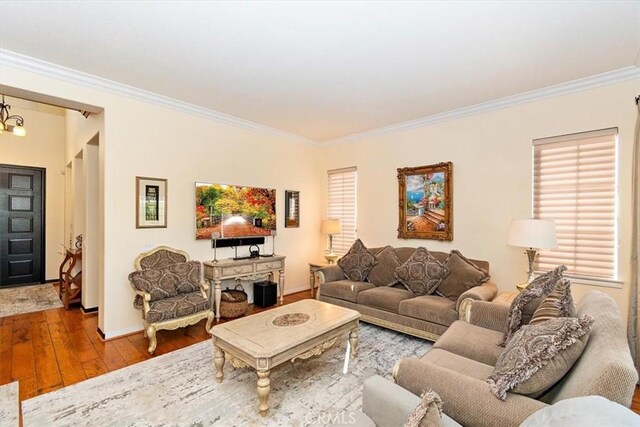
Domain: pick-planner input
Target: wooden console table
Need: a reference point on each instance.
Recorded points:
(248, 269)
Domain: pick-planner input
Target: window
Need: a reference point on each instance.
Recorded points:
(341, 196)
(574, 184)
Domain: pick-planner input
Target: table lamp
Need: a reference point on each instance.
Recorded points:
(532, 234)
(330, 227)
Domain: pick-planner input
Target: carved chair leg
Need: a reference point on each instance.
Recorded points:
(210, 318)
(151, 333)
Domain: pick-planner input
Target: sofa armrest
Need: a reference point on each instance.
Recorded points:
(330, 273)
(466, 399)
(485, 292)
(386, 403)
(488, 315)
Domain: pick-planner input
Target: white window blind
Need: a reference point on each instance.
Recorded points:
(574, 184)
(342, 205)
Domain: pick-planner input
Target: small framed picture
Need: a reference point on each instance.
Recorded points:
(151, 202)
(291, 209)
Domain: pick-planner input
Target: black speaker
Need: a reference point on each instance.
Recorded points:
(265, 294)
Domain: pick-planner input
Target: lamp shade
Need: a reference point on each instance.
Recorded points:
(533, 233)
(330, 226)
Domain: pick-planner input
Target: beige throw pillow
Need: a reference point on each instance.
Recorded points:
(383, 273)
(538, 356)
(357, 263)
(527, 301)
(463, 275)
(421, 273)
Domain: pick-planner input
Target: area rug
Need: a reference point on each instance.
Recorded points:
(27, 299)
(179, 388)
(9, 405)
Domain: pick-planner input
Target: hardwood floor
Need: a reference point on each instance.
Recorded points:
(55, 348)
(51, 349)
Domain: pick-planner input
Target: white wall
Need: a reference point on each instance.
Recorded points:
(44, 147)
(492, 158)
(141, 139)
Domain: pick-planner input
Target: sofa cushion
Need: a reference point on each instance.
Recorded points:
(463, 275)
(460, 364)
(383, 273)
(472, 342)
(527, 301)
(421, 273)
(344, 289)
(383, 298)
(159, 284)
(177, 306)
(539, 355)
(431, 308)
(357, 263)
(559, 303)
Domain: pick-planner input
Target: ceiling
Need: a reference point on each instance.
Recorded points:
(324, 70)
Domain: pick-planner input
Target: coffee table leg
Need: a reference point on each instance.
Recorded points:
(264, 388)
(218, 360)
(353, 340)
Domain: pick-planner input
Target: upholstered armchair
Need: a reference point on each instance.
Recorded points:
(169, 291)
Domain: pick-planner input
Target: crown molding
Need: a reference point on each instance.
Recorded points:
(604, 79)
(48, 69)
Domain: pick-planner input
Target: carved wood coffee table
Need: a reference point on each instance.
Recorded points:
(296, 331)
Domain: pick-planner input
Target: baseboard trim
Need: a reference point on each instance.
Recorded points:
(88, 310)
(296, 290)
(120, 333)
(51, 281)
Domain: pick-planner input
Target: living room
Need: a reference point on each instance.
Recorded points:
(311, 88)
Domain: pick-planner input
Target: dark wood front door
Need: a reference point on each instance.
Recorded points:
(21, 225)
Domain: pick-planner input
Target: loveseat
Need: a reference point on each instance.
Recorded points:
(464, 357)
(394, 307)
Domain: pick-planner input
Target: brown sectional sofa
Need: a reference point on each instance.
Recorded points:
(395, 307)
(463, 358)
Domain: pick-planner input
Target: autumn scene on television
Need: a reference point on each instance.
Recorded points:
(234, 211)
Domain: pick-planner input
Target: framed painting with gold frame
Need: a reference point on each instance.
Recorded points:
(151, 202)
(426, 202)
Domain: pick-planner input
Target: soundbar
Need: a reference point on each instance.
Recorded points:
(236, 241)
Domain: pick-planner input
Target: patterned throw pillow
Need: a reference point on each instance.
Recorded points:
(383, 273)
(538, 356)
(529, 299)
(428, 413)
(421, 273)
(559, 303)
(463, 275)
(357, 263)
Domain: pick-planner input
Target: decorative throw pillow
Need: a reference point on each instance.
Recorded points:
(529, 299)
(463, 275)
(538, 356)
(421, 273)
(428, 413)
(160, 284)
(383, 273)
(357, 263)
(559, 303)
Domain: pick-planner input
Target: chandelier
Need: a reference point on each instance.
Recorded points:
(17, 129)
